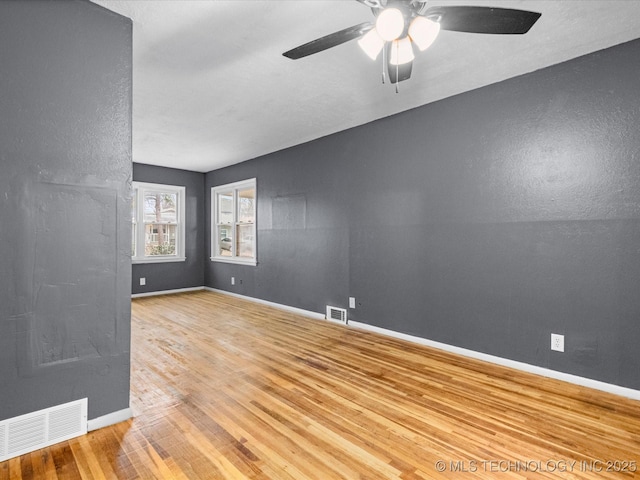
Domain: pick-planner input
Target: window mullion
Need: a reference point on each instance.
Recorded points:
(142, 228)
(234, 221)
(176, 233)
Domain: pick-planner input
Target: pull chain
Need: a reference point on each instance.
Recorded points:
(397, 65)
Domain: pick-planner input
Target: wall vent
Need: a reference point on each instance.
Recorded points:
(3, 441)
(336, 314)
(26, 433)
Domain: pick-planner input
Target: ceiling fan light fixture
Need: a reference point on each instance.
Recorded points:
(423, 32)
(372, 44)
(390, 24)
(401, 52)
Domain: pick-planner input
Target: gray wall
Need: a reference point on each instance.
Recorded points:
(303, 234)
(65, 163)
(487, 220)
(176, 275)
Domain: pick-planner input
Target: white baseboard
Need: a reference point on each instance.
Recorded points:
(166, 292)
(505, 362)
(525, 367)
(299, 311)
(109, 419)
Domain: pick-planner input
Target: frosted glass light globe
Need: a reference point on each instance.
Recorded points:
(390, 24)
(401, 52)
(423, 32)
(372, 44)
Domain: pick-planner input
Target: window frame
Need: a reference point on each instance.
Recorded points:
(138, 192)
(234, 187)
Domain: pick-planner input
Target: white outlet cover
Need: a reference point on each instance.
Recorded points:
(557, 342)
(352, 302)
(143, 281)
(233, 280)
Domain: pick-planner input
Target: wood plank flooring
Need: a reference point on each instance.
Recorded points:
(224, 388)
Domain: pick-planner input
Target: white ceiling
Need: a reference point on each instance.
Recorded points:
(211, 87)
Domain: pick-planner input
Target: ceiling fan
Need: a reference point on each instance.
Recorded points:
(401, 25)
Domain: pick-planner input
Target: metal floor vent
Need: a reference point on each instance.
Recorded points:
(26, 433)
(337, 314)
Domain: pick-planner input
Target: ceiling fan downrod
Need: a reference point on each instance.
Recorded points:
(384, 65)
(397, 68)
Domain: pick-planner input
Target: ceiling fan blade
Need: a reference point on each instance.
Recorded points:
(491, 20)
(400, 73)
(370, 3)
(329, 41)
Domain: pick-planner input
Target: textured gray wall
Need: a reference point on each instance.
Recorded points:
(487, 220)
(65, 163)
(303, 262)
(175, 275)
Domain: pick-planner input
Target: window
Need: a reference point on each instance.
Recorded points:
(157, 218)
(233, 232)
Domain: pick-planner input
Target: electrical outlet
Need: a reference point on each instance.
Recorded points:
(143, 281)
(557, 342)
(352, 302)
(233, 280)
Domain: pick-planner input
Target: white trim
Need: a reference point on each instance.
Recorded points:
(166, 292)
(505, 362)
(233, 188)
(109, 419)
(159, 187)
(158, 259)
(137, 191)
(235, 185)
(236, 261)
(299, 311)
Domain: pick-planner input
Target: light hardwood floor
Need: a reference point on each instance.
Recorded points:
(226, 388)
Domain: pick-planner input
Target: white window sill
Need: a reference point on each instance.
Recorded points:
(237, 261)
(158, 259)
